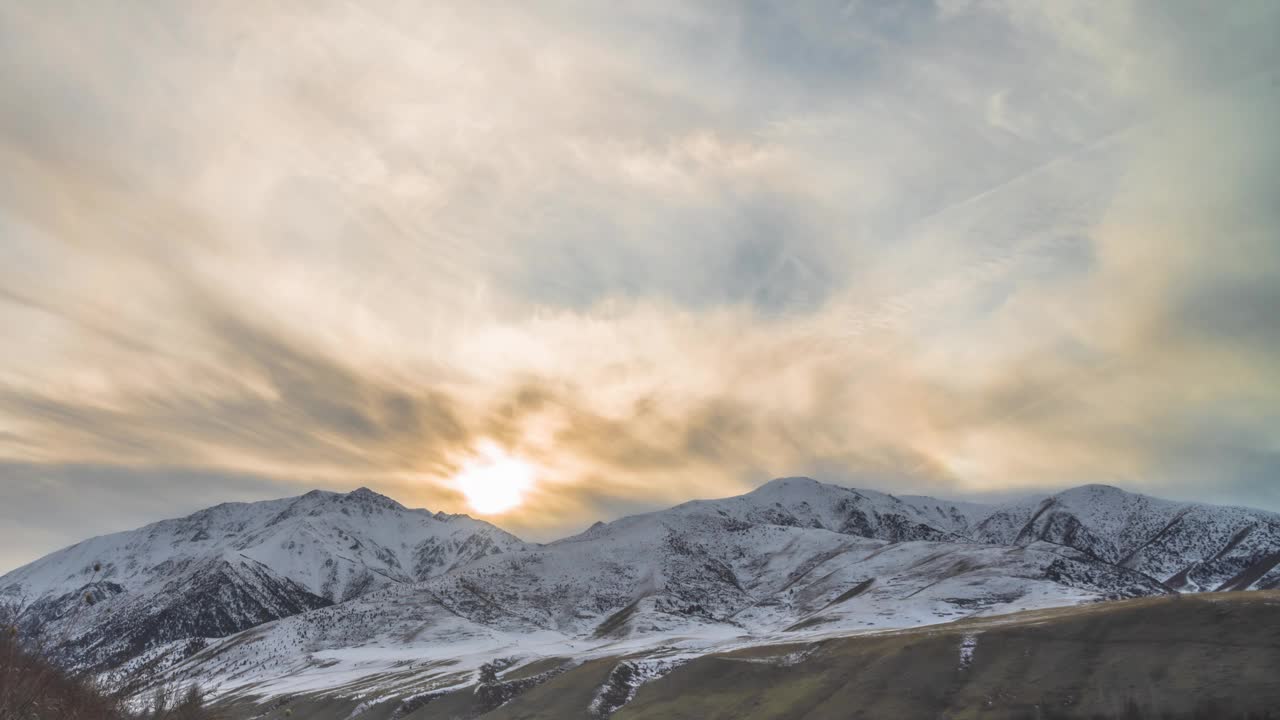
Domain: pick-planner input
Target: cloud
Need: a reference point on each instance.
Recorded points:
(48, 506)
(661, 252)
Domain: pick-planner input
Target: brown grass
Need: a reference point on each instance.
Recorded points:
(31, 688)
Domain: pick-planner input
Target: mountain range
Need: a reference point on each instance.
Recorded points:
(356, 594)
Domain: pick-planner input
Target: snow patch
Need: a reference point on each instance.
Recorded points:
(625, 680)
(968, 644)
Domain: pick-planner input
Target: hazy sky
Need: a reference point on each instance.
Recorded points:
(653, 250)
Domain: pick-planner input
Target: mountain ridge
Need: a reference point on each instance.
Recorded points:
(330, 572)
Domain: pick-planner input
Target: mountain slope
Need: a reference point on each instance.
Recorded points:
(638, 593)
(768, 559)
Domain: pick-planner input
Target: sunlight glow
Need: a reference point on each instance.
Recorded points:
(494, 481)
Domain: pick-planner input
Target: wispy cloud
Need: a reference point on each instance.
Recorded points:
(660, 251)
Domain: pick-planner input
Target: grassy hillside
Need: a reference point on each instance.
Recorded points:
(1193, 656)
(1210, 657)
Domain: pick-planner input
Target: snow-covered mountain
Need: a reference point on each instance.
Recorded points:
(234, 566)
(1188, 546)
(354, 586)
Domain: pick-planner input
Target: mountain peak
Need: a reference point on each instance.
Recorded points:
(1099, 496)
(369, 497)
(363, 491)
(318, 494)
(789, 483)
(1097, 489)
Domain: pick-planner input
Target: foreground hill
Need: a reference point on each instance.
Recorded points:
(1168, 657)
(1203, 657)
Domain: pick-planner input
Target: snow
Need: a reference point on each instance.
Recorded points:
(626, 679)
(968, 644)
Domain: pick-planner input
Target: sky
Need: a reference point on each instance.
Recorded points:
(643, 252)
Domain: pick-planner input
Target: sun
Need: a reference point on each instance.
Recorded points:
(494, 481)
